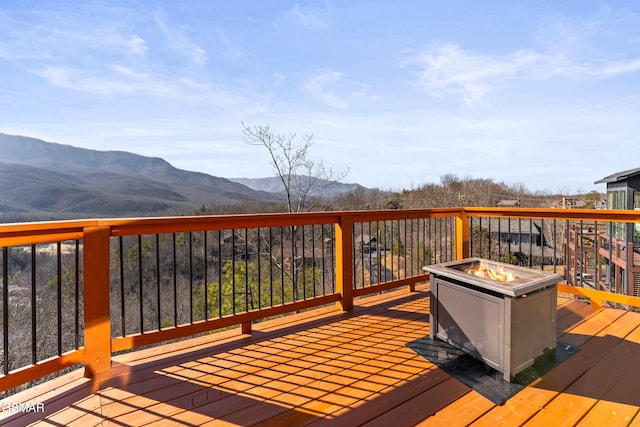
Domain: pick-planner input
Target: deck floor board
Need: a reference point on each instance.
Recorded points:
(326, 367)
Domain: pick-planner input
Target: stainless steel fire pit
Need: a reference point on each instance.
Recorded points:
(508, 325)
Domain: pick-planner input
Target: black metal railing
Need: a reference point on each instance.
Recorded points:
(42, 302)
(534, 243)
(386, 251)
(169, 278)
(166, 280)
(581, 250)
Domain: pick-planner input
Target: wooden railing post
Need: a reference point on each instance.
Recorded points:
(462, 235)
(97, 321)
(344, 261)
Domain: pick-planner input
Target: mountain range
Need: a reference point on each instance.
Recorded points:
(323, 188)
(44, 180)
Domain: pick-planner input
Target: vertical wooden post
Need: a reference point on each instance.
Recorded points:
(97, 320)
(344, 261)
(462, 235)
(595, 302)
(246, 328)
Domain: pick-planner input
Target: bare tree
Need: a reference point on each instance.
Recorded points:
(304, 180)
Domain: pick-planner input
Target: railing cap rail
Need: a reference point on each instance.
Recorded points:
(58, 230)
(605, 215)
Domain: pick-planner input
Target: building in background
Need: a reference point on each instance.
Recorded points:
(610, 255)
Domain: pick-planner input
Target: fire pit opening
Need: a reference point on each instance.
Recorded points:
(484, 270)
(505, 315)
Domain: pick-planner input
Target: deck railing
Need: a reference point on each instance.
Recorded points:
(75, 292)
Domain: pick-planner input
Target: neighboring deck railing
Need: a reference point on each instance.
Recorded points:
(75, 292)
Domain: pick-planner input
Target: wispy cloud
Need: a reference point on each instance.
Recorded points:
(109, 37)
(118, 80)
(180, 42)
(131, 43)
(309, 17)
(323, 86)
(51, 36)
(445, 69)
(614, 68)
(231, 49)
(106, 57)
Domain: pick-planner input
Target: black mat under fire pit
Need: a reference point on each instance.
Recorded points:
(478, 376)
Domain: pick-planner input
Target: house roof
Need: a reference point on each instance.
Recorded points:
(513, 226)
(365, 239)
(569, 202)
(619, 176)
(508, 203)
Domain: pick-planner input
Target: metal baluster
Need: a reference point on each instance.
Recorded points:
(158, 300)
(77, 294)
(324, 289)
(34, 312)
(555, 249)
(531, 243)
(313, 259)
(596, 262)
(5, 309)
(246, 270)
(258, 257)
(175, 282)
(520, 237)
(499, 239)
(579, 248)
(233, 271)
(412, 262)
(282, 263)
(140, 290)
(304, 275)
(542, 244)
(509, 239)
(294, 282)
(370, 255)
(205, 255)
(270, 266)
(471, 219)
(59, 296)
(219, 273)
(122, 302)
(355, 284)
(190, 277)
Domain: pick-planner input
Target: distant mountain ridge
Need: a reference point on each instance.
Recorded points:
(274, 185)
(51, 180)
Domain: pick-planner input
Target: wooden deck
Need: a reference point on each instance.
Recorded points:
(331, 368)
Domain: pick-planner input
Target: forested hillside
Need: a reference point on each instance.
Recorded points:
(42, 180)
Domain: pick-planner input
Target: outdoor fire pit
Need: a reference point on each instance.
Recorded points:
(502, 314)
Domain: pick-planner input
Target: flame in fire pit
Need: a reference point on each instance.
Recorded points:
(483, 270)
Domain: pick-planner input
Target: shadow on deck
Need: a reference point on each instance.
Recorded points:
(329, 367)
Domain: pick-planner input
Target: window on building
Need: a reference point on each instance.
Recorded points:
(616, 199)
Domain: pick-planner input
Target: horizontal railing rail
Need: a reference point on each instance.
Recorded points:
(170, 278)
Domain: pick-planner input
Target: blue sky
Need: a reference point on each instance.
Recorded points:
(544, 94)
